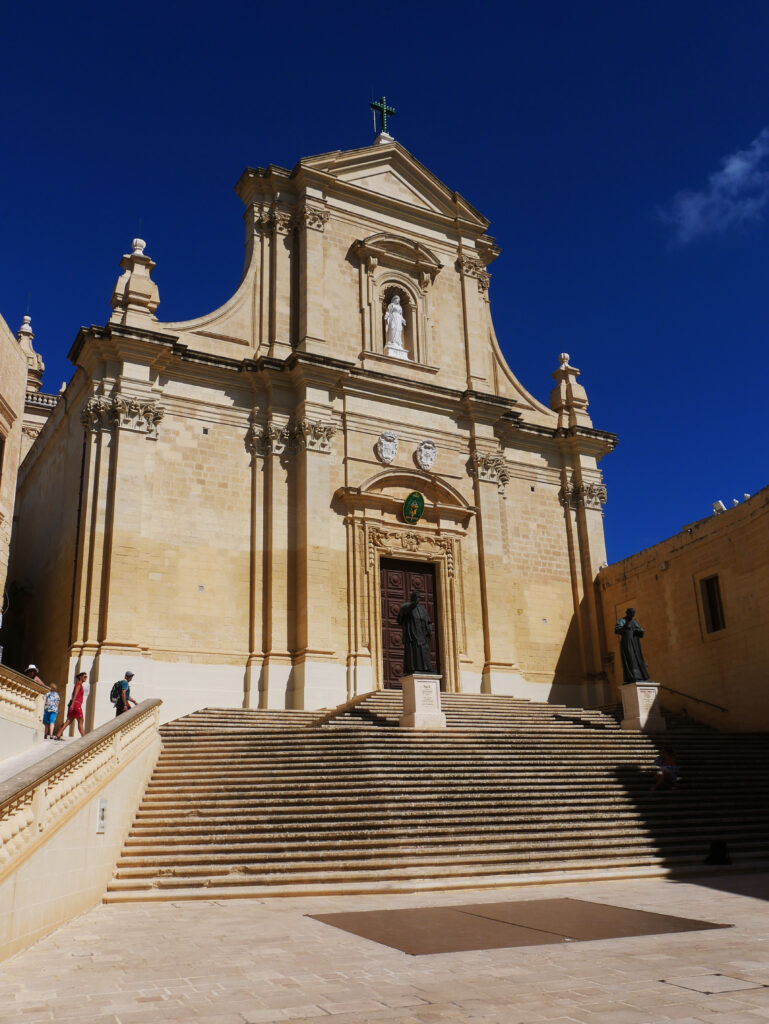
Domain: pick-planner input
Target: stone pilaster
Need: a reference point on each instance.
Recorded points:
(277, 226)
(500, 670)
(474, 280)
(268, 674)
(311, 219)
(312, 473)
(116, 465)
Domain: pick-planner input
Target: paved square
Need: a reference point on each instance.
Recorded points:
(262, 961)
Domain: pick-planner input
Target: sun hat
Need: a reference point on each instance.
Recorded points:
(31, 668)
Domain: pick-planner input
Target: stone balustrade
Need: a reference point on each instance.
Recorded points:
(21, 699)
(42, 401)
(34, 803)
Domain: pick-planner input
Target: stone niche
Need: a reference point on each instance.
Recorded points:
(392, 265)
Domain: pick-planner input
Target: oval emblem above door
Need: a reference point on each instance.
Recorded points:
(413, 507)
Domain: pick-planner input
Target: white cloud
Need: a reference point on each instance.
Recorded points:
(736, 195)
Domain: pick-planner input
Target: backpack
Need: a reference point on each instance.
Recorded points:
(117, 689)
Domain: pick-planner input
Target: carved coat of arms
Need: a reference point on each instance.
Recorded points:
(426, 454)
(387, 446)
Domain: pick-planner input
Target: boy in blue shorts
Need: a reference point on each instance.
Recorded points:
(50, 710)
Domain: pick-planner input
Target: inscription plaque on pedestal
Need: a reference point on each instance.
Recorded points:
(422, 702)
(640, 706)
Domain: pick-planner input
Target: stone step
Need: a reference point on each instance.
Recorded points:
(245, 802)
(303, 833)
(572, 875)
(398, 828)
(418, 870)
(415, 795)
(479, 803)
(461, 778)
(353, 738)
(153, 858)
(390, 865)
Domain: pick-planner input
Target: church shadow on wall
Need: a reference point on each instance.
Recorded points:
(572, 685)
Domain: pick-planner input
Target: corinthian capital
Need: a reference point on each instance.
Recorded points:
(314, 435)
(313, 217)
(573, 495)
(98, 414)
(269, 438)
(471, 266)
(124, 412)
(492, 468)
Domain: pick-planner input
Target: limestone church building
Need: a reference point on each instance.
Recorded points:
(220, 504)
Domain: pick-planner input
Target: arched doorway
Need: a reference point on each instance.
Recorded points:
(398, 578)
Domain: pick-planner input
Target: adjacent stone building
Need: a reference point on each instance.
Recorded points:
(218, 504)
(702, 597)
(13, 382)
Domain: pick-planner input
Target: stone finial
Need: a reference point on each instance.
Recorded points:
(568, 398)
(35, 364)
(136, 296)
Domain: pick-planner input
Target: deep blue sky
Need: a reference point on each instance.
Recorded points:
(575, 128)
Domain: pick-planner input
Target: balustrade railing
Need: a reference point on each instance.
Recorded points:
(21, 698)
(36, 801)
(42, 400)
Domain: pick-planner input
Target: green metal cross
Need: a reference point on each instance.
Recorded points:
(384, 110)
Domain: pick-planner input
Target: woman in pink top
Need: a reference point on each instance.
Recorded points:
(75, 706)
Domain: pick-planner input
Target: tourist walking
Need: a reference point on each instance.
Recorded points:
(50, 710)
(75, 706)
(122, 694)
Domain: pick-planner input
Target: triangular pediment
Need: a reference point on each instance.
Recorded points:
(390, 172)
(386, 182)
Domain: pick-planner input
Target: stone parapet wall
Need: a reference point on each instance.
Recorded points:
(55, 858)
(21, 710)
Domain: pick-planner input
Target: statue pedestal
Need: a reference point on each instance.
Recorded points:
(422, 702)
(396, 353)
(641, 707)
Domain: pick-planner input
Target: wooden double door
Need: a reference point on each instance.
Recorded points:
(398, 579)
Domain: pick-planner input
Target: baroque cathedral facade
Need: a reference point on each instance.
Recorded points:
(220, 504)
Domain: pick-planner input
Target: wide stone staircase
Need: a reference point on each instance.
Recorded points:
(257, 803)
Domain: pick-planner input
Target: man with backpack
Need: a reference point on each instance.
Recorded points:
(120, 694)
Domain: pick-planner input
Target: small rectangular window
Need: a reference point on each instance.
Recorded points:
(711, 604)
(2, 456)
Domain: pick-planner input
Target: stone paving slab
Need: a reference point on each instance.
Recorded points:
(262, 961)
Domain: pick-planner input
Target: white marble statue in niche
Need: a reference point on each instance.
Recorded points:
(395, 321)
